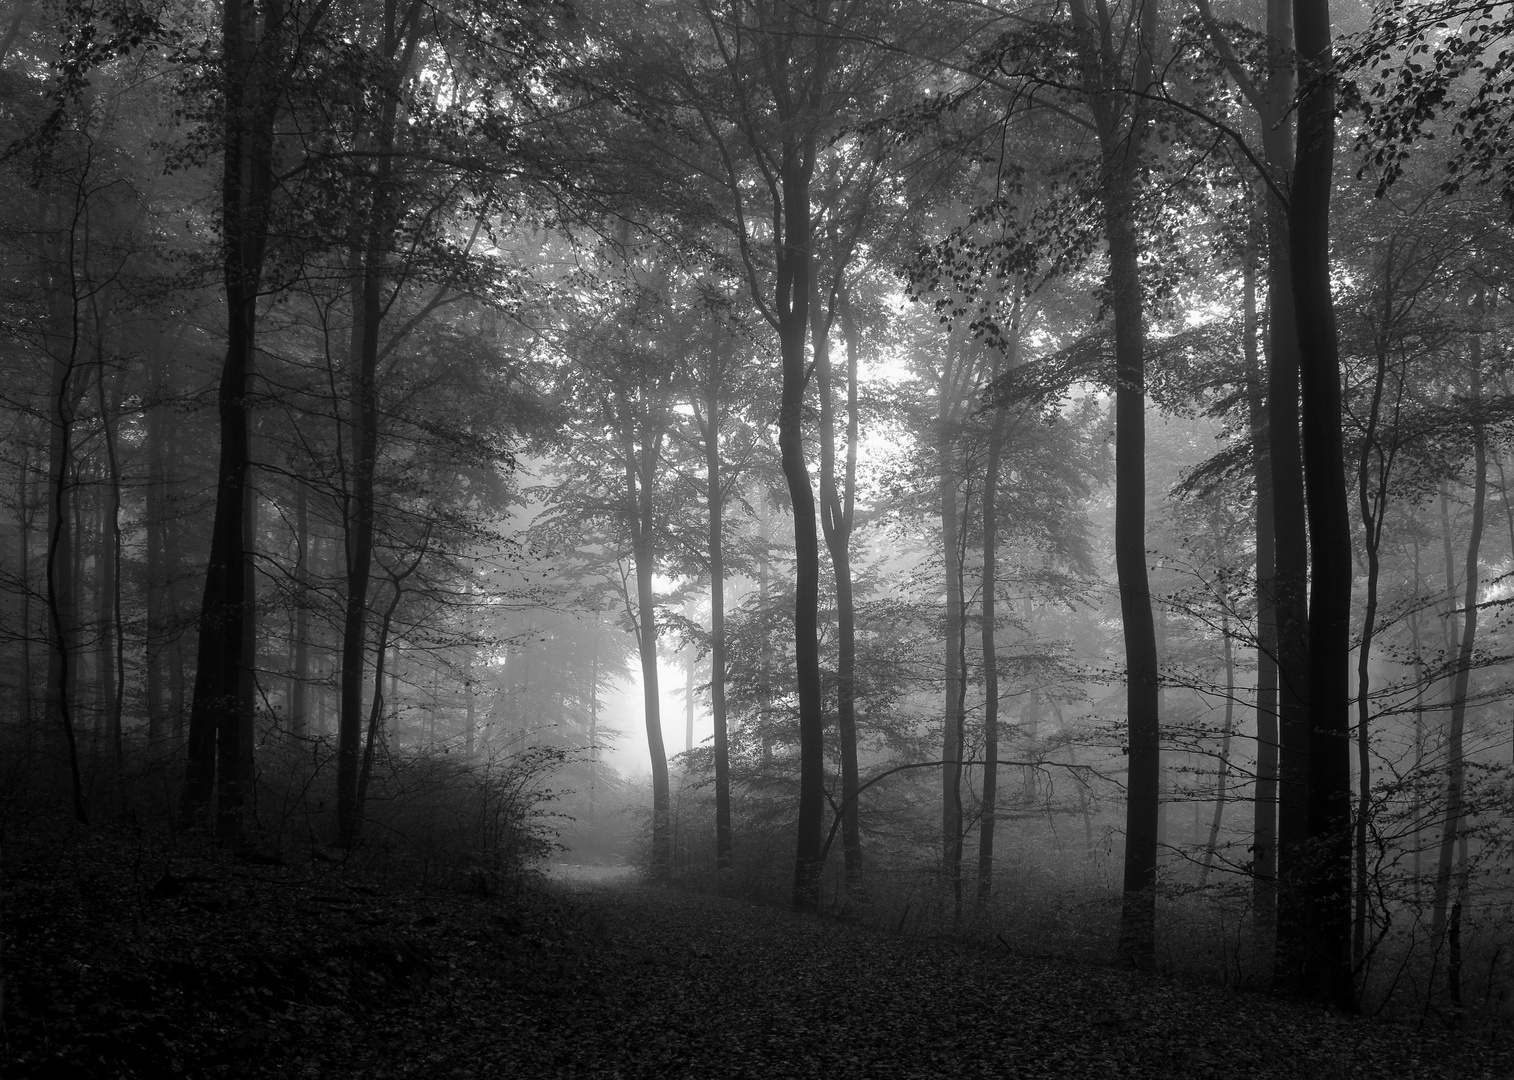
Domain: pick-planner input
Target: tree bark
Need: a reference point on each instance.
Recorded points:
(1264, 811)
(794, 259)
(155, 525)
(715, 507)
(1327, 965)
(837, 513)
(1451, 831)
(221, 708)
(989, 797)
(299, 683)
(640, 481)
(398, 47)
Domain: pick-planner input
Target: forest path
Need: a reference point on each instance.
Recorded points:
(674, 984)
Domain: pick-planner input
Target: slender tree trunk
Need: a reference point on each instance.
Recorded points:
(221, 709)
(376, 706)
(1264, 811)
(154, 527)
(1121, 123)
(1289, 572)
(691, 662)
(593, 728)
(837, 513)
(1222, 777)
(956, 372)
(1327, 968)
(1372, 474)
(1451, 831)
(299, 682)
(398, 46)
(794, 259)
(24, 562)
(990, 586)
(113, 661)
(989, 798)
(61, 578)
(715, 506)
(640, 506)
(765, 659)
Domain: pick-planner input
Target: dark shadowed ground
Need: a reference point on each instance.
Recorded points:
(219, 968)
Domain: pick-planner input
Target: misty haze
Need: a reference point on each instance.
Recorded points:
(757, 538)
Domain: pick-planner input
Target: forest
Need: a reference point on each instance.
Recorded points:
(1001, 469)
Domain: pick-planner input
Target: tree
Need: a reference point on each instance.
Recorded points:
(1326, 968)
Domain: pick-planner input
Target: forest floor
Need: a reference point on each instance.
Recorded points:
(119, 965)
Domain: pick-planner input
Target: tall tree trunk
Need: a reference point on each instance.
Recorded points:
(1222, 777)
(376, 705)
(299, 682)
(398, 47)
(154, 527)
(1374, 466)
(470, 720)
(990, 657)
(221, 708)
(24, 512)
(1327, 966)
(956, 375)
(1451, 832)
(61, 576)
(794, 269)
(765, 657)
(1290, 569)
(715, 507)
(1121, 122)
(113, 638)
(1264, 810)
(837, 514)
(690, 663)
(593, 727)
(640, 506)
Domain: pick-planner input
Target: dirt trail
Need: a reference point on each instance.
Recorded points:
(669, 984)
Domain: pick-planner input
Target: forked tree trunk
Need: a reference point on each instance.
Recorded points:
(1327, 964)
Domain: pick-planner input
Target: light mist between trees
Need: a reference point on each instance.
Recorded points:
(1015, 428)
